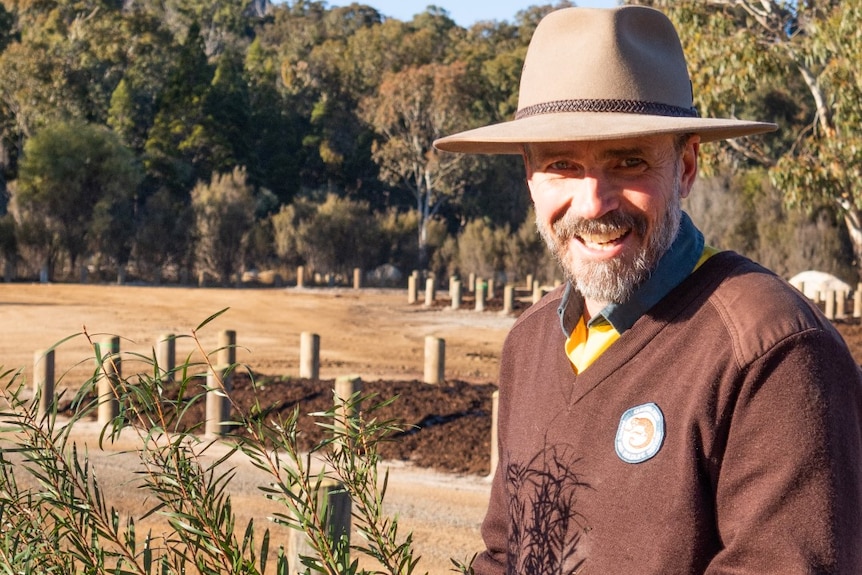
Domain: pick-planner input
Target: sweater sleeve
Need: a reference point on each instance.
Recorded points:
(787, 489)
(493, 560)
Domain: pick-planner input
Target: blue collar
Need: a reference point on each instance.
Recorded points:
(673, 267)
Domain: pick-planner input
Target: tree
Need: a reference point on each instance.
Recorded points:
(743, 48)
(67, 170)
(411, 109)
(224, 214)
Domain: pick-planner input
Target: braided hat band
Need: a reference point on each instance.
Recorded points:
(599, 106)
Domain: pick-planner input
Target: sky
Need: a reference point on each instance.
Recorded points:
(464, 12)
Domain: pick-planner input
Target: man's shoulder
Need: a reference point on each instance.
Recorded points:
(758, 308)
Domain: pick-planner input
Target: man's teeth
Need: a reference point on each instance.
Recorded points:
(606, 238)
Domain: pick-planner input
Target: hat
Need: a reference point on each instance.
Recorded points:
(601, 74)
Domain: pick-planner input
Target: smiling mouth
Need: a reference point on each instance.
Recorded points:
(604, 240)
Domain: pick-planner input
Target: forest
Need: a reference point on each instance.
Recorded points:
(178, 141)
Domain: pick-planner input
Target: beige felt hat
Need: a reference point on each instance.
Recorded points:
(599, 74)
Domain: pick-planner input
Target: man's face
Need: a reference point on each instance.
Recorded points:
(608, 210)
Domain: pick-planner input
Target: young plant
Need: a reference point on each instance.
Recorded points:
(56, 518)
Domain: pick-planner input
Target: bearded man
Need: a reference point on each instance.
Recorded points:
(673, 408)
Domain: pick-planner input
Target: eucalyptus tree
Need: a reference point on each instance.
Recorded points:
(410, 110)
(798, 64)
(68, 169)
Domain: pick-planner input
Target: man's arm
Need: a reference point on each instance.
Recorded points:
(789, 489)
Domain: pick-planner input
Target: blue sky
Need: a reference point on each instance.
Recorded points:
(464, 12)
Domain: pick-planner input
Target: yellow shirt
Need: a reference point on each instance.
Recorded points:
(585, 345)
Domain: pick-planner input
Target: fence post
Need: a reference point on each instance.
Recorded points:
(309, 355)
(43, 381)
(412, 290)
(217, 404)
(455, 289)
(109, 404)
(226, 347)
(345, 387)
(430, 293)
(480, 295)
(435, 359)
(300, 276)
(857, 301)
(508, 300)
(537, 292)
(166, 356)
(333, 504)
(357, 278)
(829, 305)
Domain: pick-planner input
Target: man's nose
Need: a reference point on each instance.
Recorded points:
(592, 197)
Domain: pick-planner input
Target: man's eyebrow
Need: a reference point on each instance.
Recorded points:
(628, 152)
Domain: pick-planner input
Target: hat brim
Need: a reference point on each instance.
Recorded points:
(510, 137)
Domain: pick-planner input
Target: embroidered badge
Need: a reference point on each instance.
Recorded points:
(640, 434)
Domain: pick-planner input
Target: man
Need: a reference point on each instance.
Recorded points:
(673, 409)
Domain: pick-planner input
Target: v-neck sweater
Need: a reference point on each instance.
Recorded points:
(758, 468)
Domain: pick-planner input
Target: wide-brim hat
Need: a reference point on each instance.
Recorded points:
(601, 74)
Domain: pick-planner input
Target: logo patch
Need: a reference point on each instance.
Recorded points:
(640, 434)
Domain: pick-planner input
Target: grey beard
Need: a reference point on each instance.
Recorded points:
(616, 280)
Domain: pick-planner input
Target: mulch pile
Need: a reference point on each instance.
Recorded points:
(446, 427)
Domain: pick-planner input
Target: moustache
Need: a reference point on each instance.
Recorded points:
(570, 225)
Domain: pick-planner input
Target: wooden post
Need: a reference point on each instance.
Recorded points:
(530, 282)
(430, 294)
(509, 300)
(309, 355)
(480, 295)
(333, 504)
(345, 387)
(537, 292)
(300, 276)
(217, 403)
(357, 278)
(412, 290)
(226, 347)
(435, 359)
(455, 289)
(166, 356)
(471, 283)
(43, 381)
(829, 305)
(857, 302)
(109, 383)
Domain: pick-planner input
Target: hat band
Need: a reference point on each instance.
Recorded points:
(619, 106)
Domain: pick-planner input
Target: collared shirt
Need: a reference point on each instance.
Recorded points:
(586, 342)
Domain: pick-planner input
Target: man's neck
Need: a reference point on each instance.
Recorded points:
(592, 308)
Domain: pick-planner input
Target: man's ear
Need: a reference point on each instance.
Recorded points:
(690, 152)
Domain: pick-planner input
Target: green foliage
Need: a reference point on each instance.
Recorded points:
(224, 213)
(57, 516)
(308, 97)
(72, 172)
(747, 214)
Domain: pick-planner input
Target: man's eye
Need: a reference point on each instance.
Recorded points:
(560, 165)
(632, 162)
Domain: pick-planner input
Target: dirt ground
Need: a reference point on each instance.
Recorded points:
(438, 485)
(439, 465)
